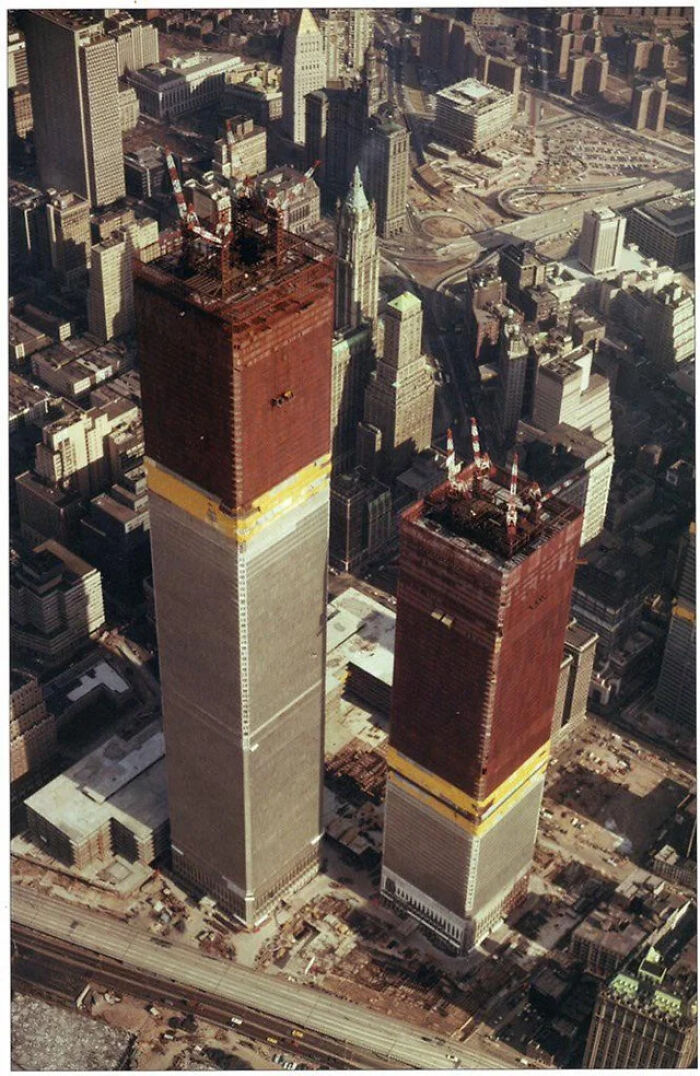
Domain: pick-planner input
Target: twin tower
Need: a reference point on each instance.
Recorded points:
(235, 347)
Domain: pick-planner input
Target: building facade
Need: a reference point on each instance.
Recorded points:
(602, 240)
(357, 267)
(75, 104)
(471, 115)
(400, 396)
(481, 602)
(665, 229)
(303, 71)
(236, 399)
(111, 295)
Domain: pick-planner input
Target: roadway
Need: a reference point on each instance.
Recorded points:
(178, 964)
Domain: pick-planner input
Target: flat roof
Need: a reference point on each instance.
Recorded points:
(121, 779)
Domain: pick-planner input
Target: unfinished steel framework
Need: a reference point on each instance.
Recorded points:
(235, 344)
(486, 571)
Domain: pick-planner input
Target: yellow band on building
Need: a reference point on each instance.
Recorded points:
(243, 525)
(461, 801)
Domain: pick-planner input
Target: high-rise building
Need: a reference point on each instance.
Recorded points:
(17, 67)
(338, 123)
(303, 71)
(384, 164)
(55, 602)
(645, 1017)
(483, 599)
(602, 240)
(649, 102)
(669, 328)
(471, 116)
(32, 728)
(357, 267)
(665, 229)
(355, 37)
(111, 295)
(352, 361)
(676, 696)
(568, 391)
(361, 519)
(236, 398)
(137, 42)
(68, 218)
(75, 103)
(400, 395)
(512, 371)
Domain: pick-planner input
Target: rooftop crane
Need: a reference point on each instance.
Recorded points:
(512, 506)
(188, 216)
(482, 460)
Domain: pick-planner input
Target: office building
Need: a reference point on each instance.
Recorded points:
(128, 108)
(576, 671)
(645, 1017)
(361, 519)
(608, 597)
(294, 195)
(111, 295)
(483, 599)
(303, 71)
(182, 84)
(400, 395)
(471, 116)
(669, 332)
(75, 103)
(435, 33)
(384, 165)
(575, 463)
(338, 125)
(68, 227)
(32, 727)
(55, 602)
(21, 118)
(116, 531)
(137, 42)
(111, 803)
(17, 67)
(521, 268)
(352, 30)
(567, 391)
(512, 373)
(676, 691)
(665, 229)
(357, 266)
(236, 398)
(145, 172)
(248, 154)
(255, 93)
(602, 240)
(649, 102)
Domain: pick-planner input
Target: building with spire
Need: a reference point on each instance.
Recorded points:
(399, 400)
(357, 266)
(485, 577)
(303, 71)
(234, 347)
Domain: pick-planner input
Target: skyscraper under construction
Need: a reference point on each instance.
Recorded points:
(235, 343)
(486, 571)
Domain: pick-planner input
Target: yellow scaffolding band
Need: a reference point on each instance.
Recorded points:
(247, 522)
(455, 797)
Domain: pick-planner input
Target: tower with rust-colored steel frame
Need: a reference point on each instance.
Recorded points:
(235, 348)
(486, 570)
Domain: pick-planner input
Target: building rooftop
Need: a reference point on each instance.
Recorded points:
(121, 779)
(234, 280)
(471, 96)
(474, 517)
(676, 212)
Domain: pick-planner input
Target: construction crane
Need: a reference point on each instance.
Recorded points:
(310, 171)
(482, 460)
(452, 465)
(512, 506)
(188, 216)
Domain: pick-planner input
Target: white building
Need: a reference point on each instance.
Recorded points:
(182, 83)
(303, 71)
(111, 295)
(601, 241)
(567, 391)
